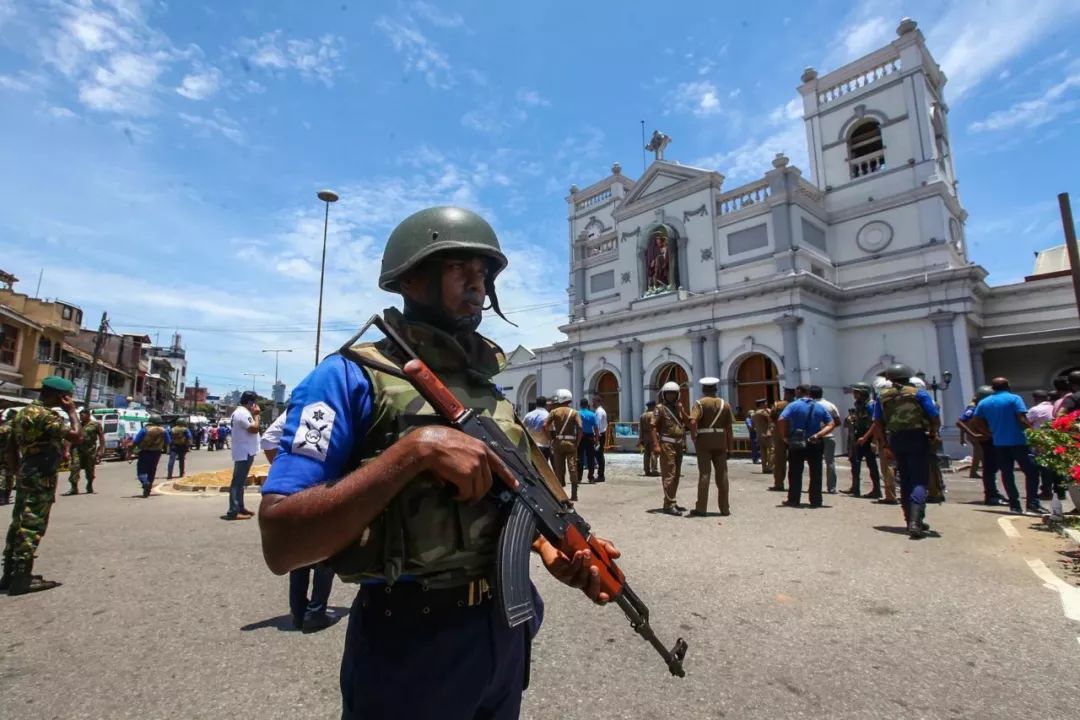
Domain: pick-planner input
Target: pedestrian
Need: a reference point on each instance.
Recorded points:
(225, 438)
(1004, 417)
(935, 489)
(669, 442)
(151, 442)
(86, 454)
(426, 638)
(181, 443)
(645, 430)
(755, 447)
(9, 458)
(601, 436)
(211, 442)
(37, 437)
(803, 424)
(245, 426)
(711, 420)
(587, 445)
(196, 436)
(308, 614)
(965, 435)
(1069, 403)
(906, 423)
(760, 421)
(1041, 413)
(779, 449)
(534, 422)
(828, 441)
(563, 426)
(862, 422)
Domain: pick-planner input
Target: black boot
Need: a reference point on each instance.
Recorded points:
(73, 491)
(89, 487)
(5, 579)
(914, 517)
(23, 582)
(5, 497)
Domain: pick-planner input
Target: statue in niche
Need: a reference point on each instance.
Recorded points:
(659, 263)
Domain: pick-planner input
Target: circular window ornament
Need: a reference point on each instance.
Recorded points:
(873, 237)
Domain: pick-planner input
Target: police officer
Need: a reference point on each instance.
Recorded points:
(779, 448)
(38, 435)
(178, 449)
(645, 432)
(9, 458)
(759, 420)
(862, 420)
(86, 453)
(151, 442)
(710, 427)
(368, 479)
(669, 442)
(906, 423)
(564, 427)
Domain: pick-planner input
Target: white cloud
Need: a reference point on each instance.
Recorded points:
(862, 37)
(10, 82)
(532, 98)
(751, 160)
(792, 110)
(701, 98)
(314, 59)
(437, 17)
(220, 123)
(1053, 103)
(200, 85)
(7, 11)
(420, 54)
(61, 112)
(486, 119)
(124, 84)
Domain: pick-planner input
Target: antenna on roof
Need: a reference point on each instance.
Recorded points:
(642, 146)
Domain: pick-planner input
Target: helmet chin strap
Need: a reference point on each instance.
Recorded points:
(433, 312)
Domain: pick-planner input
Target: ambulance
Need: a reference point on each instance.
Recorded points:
(120, 426)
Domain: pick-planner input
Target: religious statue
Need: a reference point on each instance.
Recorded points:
(657, 143)
(659, 263)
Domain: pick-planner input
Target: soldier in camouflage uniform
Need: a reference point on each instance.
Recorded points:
(86, 453)
(369, 479)
(862, 419)
(7, 467)
(38, 436)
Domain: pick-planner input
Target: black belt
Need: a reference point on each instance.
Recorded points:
(409, 599)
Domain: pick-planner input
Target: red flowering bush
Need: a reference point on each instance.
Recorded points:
(1057, 445)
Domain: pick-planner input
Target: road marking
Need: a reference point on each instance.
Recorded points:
(1006, 524)
(1070, 596)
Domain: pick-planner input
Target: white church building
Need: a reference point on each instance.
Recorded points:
(823, 277)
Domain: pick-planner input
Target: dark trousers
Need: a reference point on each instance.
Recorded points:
(599, 453)
(812, 455)
(859, 455)
(912, 451)
(989, 471)
(1021, 455)
(586, 454)
(453, 664)
(299, 604)
(239, 481)
(755, 449)
(177, 454)
(146, 466)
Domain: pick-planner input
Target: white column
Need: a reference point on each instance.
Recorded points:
(626, 392)
(637, 377)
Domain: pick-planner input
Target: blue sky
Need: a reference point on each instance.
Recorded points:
(161, 159)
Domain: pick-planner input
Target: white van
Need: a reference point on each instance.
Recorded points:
(119, 426)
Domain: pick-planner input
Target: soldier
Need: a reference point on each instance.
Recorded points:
(151, 441)
(7, 466)
(563, 426)
(669, 442)
(710, 427)
(906, 423)
(361, 464)
(181, 443)
(779, 449)
(645, 428)
(86, 453)
(38, 436)
(759, 420)
(862, 420)
(935, 489)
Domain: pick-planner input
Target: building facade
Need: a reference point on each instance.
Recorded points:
(825, 279)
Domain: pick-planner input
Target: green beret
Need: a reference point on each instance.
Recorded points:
(55, 382)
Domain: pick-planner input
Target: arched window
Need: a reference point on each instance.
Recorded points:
(866, 151)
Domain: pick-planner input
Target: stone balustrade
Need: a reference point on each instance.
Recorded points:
(600, 246)
(859, 81)
(740, 198)
(867, 164)
(596, 199)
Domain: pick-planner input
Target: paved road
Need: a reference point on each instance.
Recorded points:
(168, 612)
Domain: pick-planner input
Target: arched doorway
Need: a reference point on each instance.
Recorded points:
(673, 372)
(755, 378)
(606, 385)
(526, 394)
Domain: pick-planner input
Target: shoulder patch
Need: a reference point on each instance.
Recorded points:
(313, 433)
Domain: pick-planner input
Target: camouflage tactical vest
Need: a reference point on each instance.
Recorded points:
(424, 534)
(179, 436)
(154, 440)
(901, 409)
(863, 418)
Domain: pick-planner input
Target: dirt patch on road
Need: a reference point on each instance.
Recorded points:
(220, 479)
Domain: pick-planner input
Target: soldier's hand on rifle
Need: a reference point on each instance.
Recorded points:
(578, 571)
(459, 460)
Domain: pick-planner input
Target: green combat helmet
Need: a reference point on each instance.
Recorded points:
(154, 420)
(861, 387)
(898, 372)
(435, 230)
(983, 391)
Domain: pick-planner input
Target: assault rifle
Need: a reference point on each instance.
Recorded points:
(535, 505)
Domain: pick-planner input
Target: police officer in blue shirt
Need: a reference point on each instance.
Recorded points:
(1004, 416)
(802, 425)
(369, 481)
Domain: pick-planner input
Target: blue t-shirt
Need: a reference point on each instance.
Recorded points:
(588, 421)
(806, 414)
(999, 411)
(329, 413)
(925, 402)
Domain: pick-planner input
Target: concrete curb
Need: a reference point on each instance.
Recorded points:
(168, 488)
(1072, 534)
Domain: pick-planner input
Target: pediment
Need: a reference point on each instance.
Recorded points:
(661, 176)
(521, 354)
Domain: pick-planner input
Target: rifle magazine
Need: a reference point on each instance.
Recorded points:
(512, 585)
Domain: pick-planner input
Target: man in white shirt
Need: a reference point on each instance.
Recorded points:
(244, 424)
(534, 422)
(828, 441)
(601, 431)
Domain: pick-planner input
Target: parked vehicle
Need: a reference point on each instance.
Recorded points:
(120, 426)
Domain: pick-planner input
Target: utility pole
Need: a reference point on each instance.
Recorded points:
(277, 357)
(98, 342)
(327, 196)
(1070, 244)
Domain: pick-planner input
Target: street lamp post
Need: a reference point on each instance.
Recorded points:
(327, 196)
(277, 357)
(934, 385)
(253, 376)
